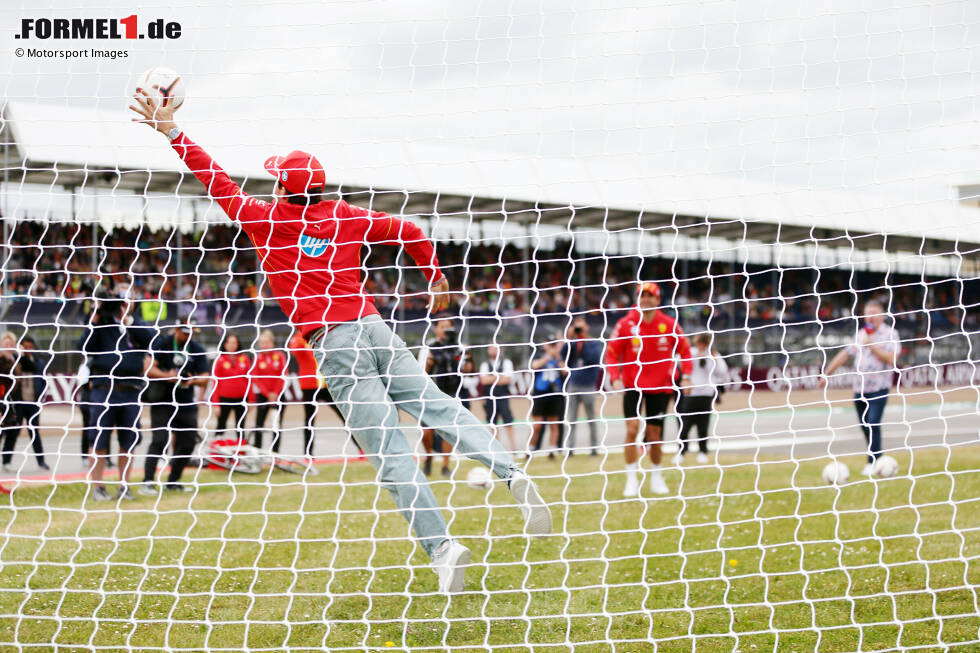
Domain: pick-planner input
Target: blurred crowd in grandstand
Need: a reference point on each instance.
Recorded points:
(218, 266)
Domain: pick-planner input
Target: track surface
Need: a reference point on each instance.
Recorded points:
(770, 425)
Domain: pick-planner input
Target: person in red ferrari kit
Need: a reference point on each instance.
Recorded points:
(310, 248)
(268, 376)
(230, 373)
(642, 358)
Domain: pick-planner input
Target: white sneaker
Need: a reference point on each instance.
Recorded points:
(632, 488)
(537, 515)
(867, 470)
(125, 494)
(679, 459)
(657, 484)
(147, 490)
(449, 561)
(99, 494)
(702, 459)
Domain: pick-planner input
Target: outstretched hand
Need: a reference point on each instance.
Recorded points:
(151, 113)
(439, 299)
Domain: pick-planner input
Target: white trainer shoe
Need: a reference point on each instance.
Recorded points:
(449, 561)
(537, 515)
(99, 493)
(657, 484)
(867, 470)
(702, 459)
(679, 459)
(632, 488)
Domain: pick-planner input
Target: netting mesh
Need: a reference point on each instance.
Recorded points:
(772, 447)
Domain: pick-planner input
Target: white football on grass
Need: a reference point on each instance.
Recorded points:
(479, 478)
(836, 473)
(884, 467)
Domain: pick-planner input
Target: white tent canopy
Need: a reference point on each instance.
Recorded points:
(88, 149)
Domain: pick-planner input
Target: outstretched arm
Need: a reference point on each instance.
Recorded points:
(229, 196)
(838, 360)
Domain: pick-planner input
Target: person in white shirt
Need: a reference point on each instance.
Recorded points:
(496, 375)
(697, 404)
(875, 353)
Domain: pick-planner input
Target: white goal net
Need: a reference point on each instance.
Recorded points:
(706, 378)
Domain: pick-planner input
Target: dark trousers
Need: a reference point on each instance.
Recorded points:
(115, 409)
(695, 412)
(88, 425)
(226, 408)
(21, 414)
(174, 426)
(265, 404)
(562, 406)
(312, 397)
(870, 408)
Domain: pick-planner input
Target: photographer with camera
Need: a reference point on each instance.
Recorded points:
(115, 349)
(176, 366)
(24, 397)
(583, 356)
(547, 401)
(446, 363)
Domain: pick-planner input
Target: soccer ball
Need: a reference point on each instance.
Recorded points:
(167, 84)
(884, 467)
(479, 478)
(836, 473)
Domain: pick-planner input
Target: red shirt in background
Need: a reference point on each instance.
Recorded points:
(311, 255)
(269, 373)
(643, 354)
(231, 375)
(309, 378)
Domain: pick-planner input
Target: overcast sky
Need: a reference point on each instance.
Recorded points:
(876, 96)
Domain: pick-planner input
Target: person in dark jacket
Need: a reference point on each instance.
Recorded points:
(84, 402)
(23, 399)
(583, 356)
(446, 362)
(177, 365)
(115, 350)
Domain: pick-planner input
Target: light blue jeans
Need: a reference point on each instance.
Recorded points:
(370, 374)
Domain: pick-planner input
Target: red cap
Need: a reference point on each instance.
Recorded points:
(298, 171)
(650, 287)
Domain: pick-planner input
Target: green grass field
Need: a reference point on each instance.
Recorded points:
(748, 557)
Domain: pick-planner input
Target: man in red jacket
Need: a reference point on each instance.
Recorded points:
(309, 248)
(642, 358)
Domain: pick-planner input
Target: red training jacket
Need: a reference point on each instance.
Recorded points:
(231, 375)
(311, 255)
(269, 372)
(644, 355)
(309, 379)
